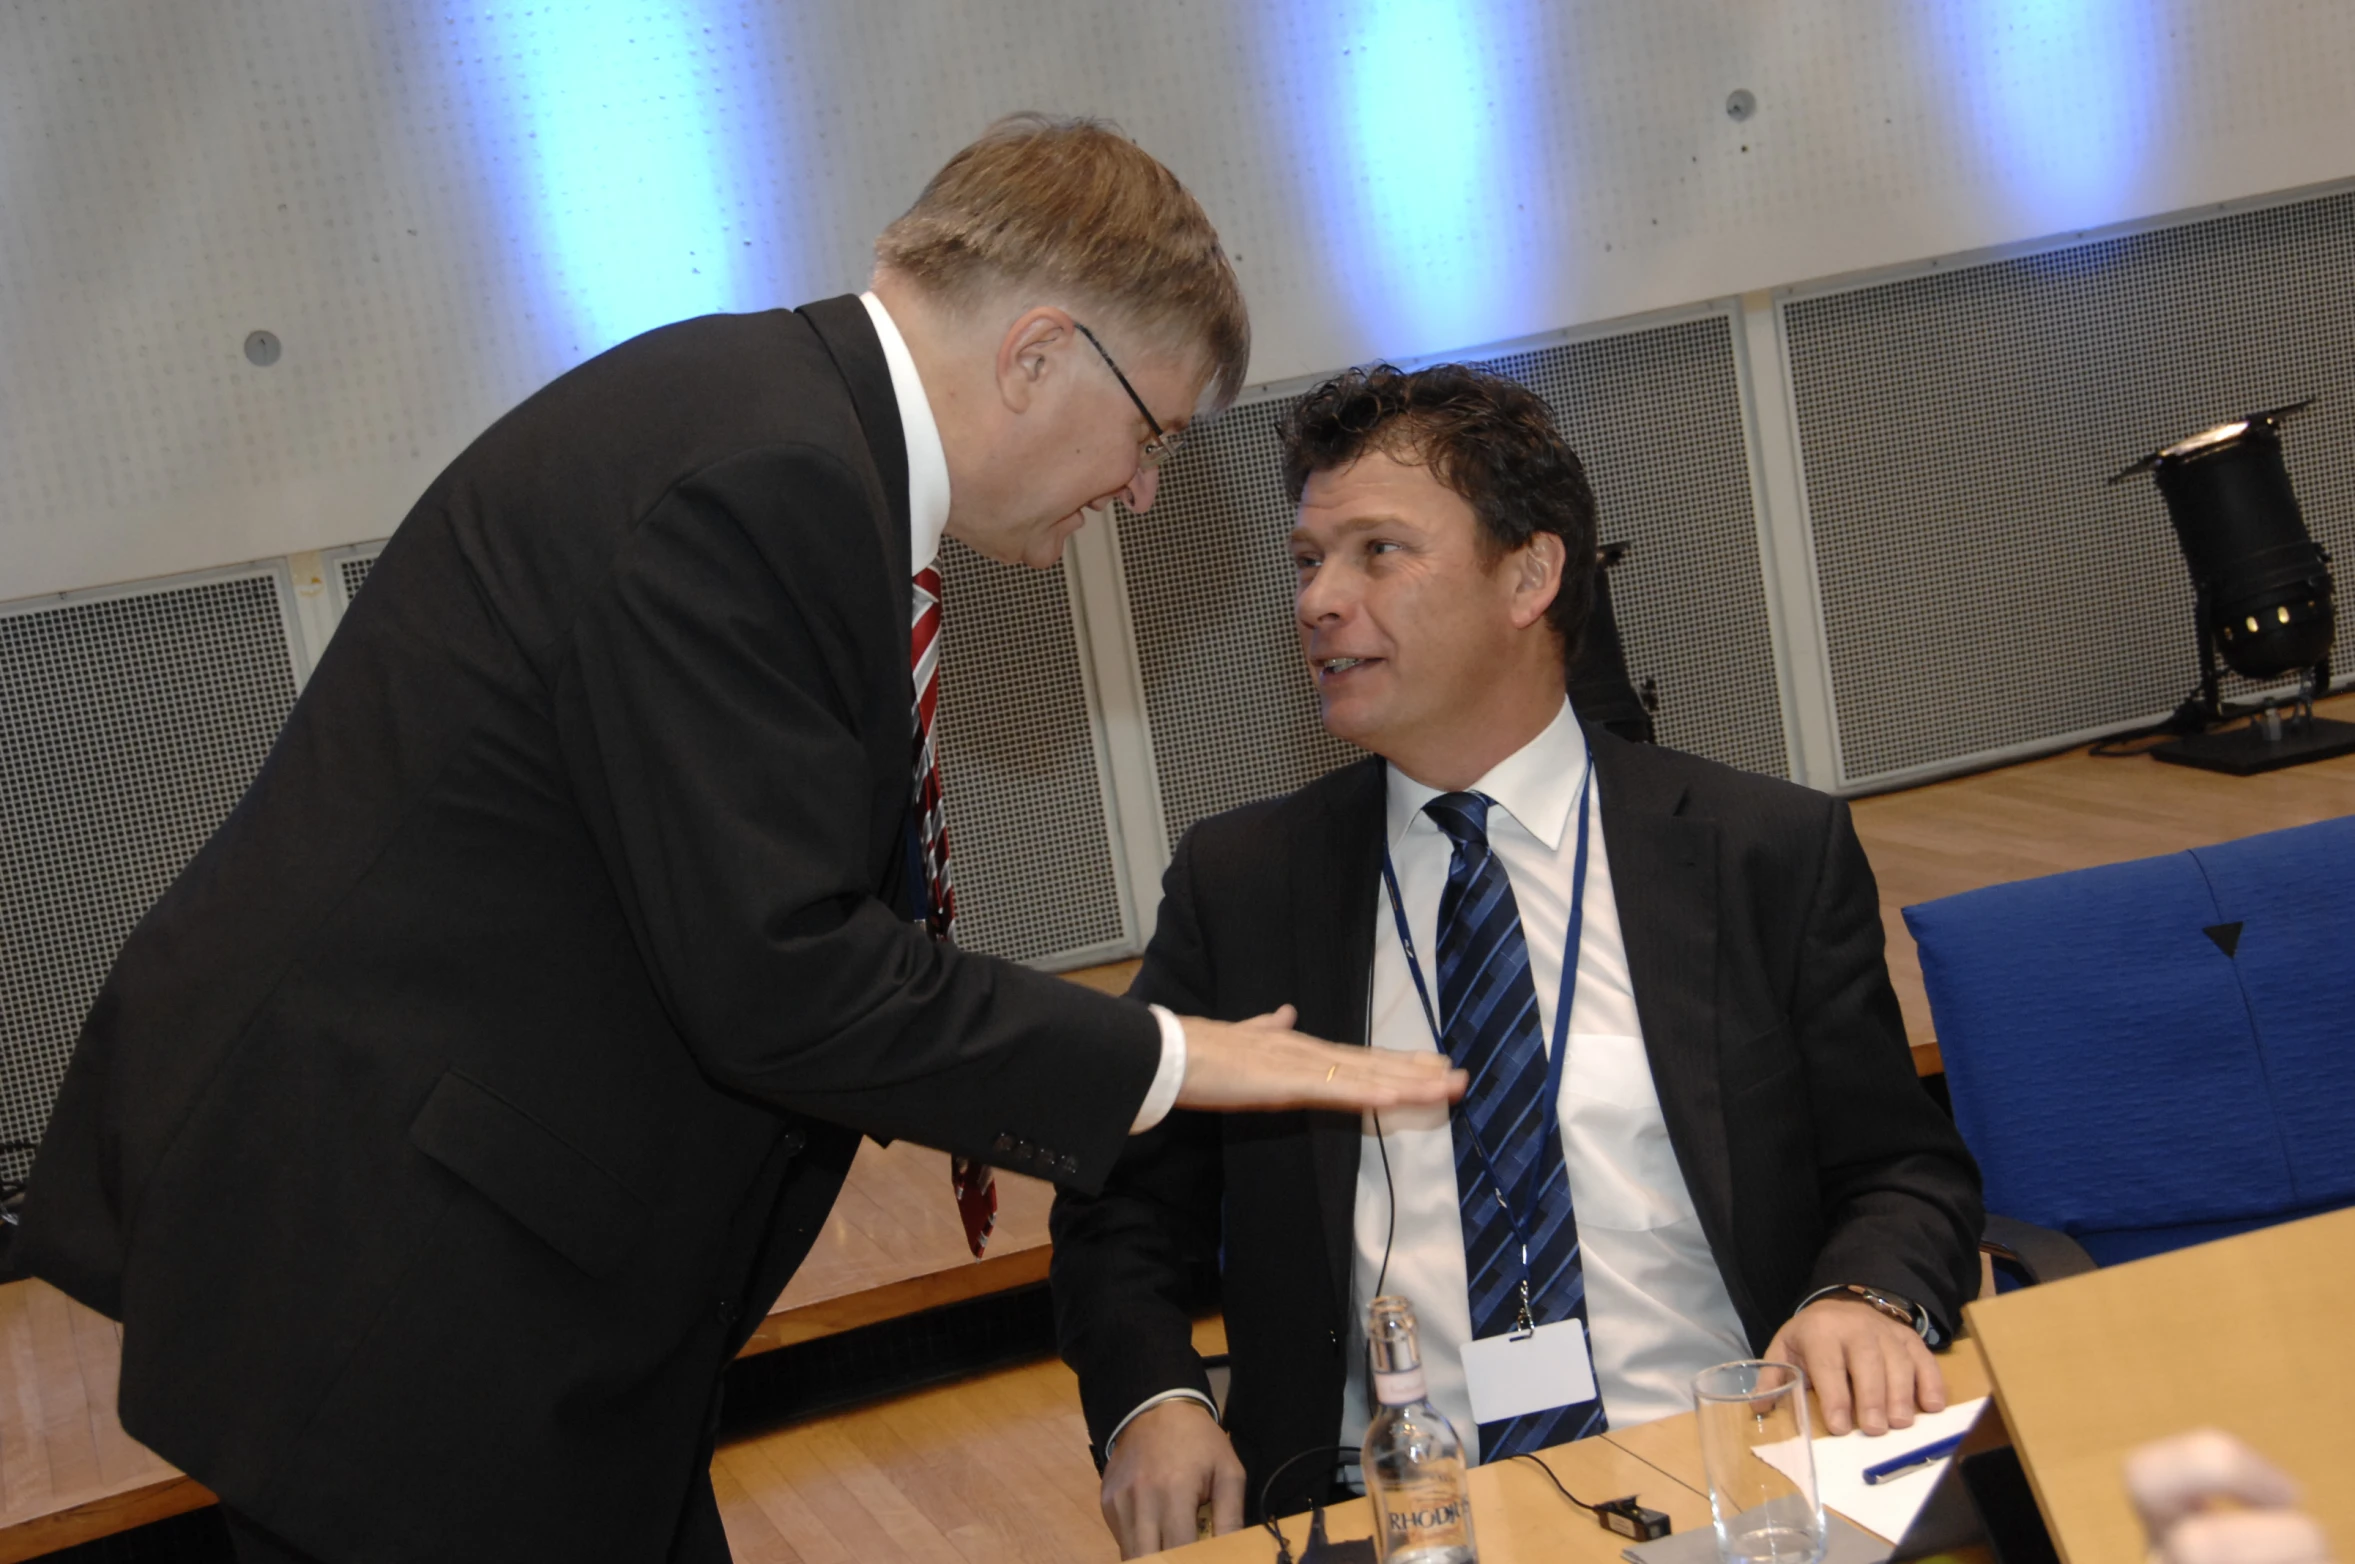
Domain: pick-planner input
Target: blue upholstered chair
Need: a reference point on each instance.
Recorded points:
(2161, 1052)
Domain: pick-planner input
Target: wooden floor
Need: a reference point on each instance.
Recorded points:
(989, 1469)
(68, 1472)
(894, 1246)
(997, 1467)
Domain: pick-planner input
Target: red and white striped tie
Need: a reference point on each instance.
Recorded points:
(974, 1186)
(932, 825)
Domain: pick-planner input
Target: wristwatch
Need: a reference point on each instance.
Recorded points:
(1904, 1311)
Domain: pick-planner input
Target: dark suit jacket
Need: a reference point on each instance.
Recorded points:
(1754, 939)
(443, 1131)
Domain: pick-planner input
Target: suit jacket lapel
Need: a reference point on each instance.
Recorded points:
(849, 335)
(1333, 889)
(1664, 879)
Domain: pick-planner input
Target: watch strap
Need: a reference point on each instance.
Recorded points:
(1904, 1311)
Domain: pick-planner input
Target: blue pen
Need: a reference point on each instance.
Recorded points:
(1912, 1460)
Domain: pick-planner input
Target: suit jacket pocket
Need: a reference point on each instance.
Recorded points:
(530, 1172)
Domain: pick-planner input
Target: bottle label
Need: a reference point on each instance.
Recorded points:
(1396, 1390)
(1430, 1513)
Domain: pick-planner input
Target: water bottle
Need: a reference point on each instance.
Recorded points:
(1414, 1463)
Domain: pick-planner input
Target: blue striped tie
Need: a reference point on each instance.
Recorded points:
(1489, 1010)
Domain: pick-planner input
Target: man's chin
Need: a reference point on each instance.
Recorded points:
(1036, 544)
(1045, 554)
(1346, 721)
(1045, 550)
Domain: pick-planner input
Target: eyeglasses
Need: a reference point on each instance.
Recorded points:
(1165, 442)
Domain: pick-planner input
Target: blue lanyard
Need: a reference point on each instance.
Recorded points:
(1522, 1213)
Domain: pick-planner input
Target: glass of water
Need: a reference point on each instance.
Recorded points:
(1755, 1441)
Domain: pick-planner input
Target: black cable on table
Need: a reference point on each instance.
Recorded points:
(1556, 1481)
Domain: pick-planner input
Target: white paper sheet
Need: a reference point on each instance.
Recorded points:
(1885, 1508)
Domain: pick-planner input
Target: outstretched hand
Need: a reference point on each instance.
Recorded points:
(1263, 1064)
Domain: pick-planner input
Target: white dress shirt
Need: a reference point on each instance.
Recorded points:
(1657, 1309)
(928, 518)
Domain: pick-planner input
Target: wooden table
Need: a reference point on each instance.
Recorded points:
(1517, 1517)
(2246, 1334)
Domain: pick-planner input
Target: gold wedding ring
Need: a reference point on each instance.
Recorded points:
(1331, 1071)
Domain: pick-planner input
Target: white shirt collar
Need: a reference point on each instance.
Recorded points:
(928, 462)
(1536, 784)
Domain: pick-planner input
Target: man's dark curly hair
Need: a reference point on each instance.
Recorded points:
(1486, 438)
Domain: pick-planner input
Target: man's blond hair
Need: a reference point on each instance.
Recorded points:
(1045, 205)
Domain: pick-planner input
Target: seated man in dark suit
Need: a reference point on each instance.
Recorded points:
(1735, 1157)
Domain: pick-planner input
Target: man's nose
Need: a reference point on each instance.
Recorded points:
(1138, 496)
(1320, 597)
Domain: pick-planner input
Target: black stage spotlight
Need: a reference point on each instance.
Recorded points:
(1600, 690)
(2262, 587)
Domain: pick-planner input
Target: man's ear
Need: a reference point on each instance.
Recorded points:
(1537, 577)
(1027, 354)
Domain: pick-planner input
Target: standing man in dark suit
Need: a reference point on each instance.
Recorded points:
(446, 1128)
(1693, 1131)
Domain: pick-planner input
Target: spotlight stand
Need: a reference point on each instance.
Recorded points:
(2268, 742)
(2269, 563)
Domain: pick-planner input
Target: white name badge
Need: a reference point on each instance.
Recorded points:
(1511, 1376)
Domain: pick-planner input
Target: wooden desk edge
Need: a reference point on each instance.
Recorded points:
(2035, 1485)
(92, 1519)
(896, 1300)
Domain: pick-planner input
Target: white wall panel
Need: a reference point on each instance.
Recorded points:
(438, 208)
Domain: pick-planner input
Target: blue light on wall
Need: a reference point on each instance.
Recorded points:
(626, 117)
(1421, 136)
(2067, 91)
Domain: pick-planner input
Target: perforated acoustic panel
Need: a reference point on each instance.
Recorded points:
(1983, 589)
(129, 725)
(1231, 712)
(350, 572)
(1029, 832)
(1655, 413)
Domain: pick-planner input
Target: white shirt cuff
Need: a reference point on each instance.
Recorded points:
(1149, 1403)
(1161, 1096)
